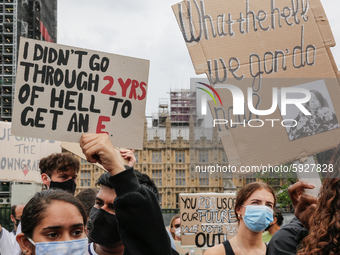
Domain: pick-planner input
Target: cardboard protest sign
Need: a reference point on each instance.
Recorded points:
(207, 219)
(62, 92)
(250, 50)
(20, 156)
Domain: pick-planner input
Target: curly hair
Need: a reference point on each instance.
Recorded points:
(59, 162)
(324, 224)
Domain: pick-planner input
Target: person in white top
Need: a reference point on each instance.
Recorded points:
(7, 239)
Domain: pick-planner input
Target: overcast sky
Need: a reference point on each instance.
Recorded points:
(144, 29)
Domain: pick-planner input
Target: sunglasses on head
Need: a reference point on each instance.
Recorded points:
(177, 225)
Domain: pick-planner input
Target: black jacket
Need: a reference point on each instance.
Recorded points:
(140, 220)
(287, 239)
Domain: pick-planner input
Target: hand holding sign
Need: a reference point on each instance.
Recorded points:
(99, 149)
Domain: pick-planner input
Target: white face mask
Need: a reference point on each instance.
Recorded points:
(178, 232)
(74, 247)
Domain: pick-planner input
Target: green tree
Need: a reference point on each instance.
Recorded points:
(288, 178)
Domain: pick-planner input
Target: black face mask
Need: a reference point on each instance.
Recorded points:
(17, 221)
(103, 227)
(269, 226)
(69, 186)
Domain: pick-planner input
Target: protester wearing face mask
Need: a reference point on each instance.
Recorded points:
(16, 211)
(53, 223)
(60, 171)
(175, 227)
(7, 239)
(254, 212)
(273, 227)
(102, 225)
(126, 218)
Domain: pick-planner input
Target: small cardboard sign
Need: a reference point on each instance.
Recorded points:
(62, 92)
(20, 156)
(257, 47)
(207, 219)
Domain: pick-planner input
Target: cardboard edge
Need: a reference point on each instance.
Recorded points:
(324, 30)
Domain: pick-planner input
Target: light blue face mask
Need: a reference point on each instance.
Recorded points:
(74, 247)
(257, 217)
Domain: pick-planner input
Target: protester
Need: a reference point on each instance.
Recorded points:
(7, 239)
(273, 227)
(315, 229)
(323, 225)
(286, 240)
(175, 227)
(102, 226)
(60, 171)
(254, 212)
(53, 223)
(323, 220)
(139, 223)
(16, 212)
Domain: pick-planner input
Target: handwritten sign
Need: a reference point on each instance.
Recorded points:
(257, 47)
(62, 92)
(207, 219)
(20, 156)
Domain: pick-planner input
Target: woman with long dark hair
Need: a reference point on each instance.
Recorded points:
(324, 225)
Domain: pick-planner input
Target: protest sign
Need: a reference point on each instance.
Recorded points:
(20, 156)
(250, 50)
(63, 91)
(207, 219)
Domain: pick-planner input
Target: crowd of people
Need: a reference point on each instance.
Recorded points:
(124, 216)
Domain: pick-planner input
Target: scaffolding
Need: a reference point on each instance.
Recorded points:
(8, 48)
(182, 107)
(19, 18)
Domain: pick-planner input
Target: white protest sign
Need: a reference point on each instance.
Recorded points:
(62, 92)
(207, 219)
(20, 156)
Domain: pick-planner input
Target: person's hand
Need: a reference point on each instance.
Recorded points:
(129, 156)
(305, 208)
(98, 148)
(0, 228)
(303, 204)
